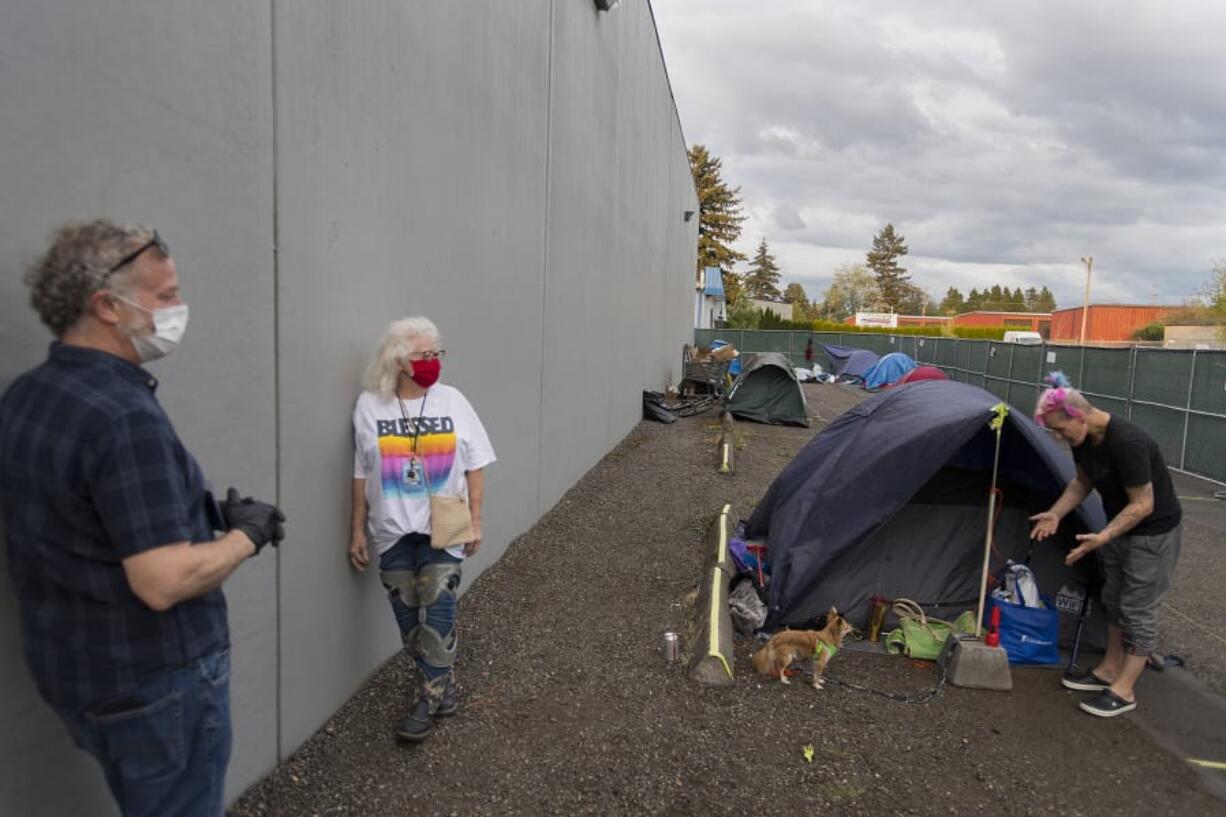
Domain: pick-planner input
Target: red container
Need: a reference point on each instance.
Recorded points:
(992, 639)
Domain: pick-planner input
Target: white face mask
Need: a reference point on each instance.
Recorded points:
(169, 324)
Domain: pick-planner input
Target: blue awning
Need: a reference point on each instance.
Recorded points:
(713, 282)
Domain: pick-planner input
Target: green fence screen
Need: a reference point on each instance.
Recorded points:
(1177, 395)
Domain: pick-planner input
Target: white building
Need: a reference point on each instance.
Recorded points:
(709, 298)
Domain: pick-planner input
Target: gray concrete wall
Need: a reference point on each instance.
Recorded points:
(514, 169)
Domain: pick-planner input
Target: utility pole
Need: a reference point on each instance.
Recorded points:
(1085, 300)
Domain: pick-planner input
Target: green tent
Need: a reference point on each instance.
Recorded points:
(766, 391)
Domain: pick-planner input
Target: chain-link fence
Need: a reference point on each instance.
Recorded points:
(1177, 395)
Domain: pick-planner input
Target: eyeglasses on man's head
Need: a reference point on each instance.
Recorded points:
(156, 241)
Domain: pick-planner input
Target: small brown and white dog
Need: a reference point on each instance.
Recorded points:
(785, 647)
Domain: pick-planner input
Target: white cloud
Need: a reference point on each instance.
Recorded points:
(1005, 141)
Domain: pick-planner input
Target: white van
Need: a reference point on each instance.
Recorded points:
(1024, 338)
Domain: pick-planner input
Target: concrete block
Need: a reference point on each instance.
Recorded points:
(971, 663)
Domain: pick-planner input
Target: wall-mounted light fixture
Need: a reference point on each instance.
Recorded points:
(689, 214)
(606, 5)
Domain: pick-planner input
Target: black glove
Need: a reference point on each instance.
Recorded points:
(260, 521)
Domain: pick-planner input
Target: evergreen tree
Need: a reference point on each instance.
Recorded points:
(1031, 298)
(762, 280)
(1046, 302)
(974, 301)
(882, 259)
(1017, 301)
(953, 302)
(719, 219)
(995, 299)
(734, 287)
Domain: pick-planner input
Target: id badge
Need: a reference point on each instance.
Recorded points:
(410, 475)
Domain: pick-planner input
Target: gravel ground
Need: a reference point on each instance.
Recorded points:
(567, 706)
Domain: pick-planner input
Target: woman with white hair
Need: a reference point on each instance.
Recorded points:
(419, 452)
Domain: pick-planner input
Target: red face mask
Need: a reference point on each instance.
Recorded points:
(425, 372)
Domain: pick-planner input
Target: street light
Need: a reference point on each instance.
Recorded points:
(1085, 301)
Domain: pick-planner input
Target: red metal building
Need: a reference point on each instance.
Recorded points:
(1105, 322)
(923, 320)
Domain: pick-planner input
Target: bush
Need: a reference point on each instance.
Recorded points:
(979, 332)
(1153, 331)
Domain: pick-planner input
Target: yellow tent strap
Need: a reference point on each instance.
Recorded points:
(713, 646)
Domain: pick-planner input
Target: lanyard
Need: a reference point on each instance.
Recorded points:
(417, 426)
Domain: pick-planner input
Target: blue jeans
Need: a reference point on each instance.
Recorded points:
(411, 553)
(164, 747)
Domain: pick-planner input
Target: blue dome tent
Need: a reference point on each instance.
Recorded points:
(889, 370)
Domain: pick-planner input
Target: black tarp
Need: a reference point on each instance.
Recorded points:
(766, 391)
(891, 500)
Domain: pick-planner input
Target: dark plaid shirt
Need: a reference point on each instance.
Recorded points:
(91, 472)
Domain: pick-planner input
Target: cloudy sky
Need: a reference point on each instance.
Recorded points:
(1004, 140)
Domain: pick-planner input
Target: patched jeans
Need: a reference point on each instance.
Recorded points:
(421, 586)
(164, 747)
(1138, 572)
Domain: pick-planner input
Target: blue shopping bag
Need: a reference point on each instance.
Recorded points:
(1030, 635)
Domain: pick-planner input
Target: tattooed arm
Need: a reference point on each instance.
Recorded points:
(1140, 505)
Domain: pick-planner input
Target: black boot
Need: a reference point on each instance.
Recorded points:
(418, 724)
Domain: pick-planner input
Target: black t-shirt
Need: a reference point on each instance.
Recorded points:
(1127, 457)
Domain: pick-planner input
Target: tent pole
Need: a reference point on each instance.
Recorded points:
(997, 423)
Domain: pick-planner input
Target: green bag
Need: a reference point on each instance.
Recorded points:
(921, 637)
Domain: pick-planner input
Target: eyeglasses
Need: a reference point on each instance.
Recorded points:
(156, 241)
(438, 354)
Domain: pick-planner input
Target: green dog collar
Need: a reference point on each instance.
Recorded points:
(829, 649)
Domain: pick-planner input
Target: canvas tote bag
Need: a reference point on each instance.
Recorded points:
(450, 522)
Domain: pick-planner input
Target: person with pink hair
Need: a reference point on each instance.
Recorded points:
(1139, 545)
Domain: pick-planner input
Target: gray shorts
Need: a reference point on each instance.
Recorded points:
(1139, 570)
